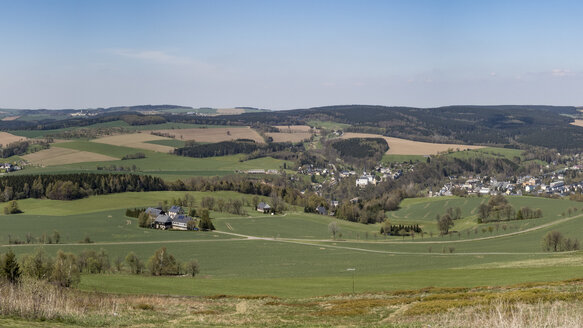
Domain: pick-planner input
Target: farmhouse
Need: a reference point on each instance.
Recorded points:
(174, 211)
(163, 222)
(180, 222)
(263, 207)
(154, 212)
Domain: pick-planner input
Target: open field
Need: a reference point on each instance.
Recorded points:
(293, 255)
(167, 166)
(230, 111)
(215, 135)
(8, 138)
(295, 128)
(327, 125)
(136, 140)
(168, 142)
(578, 123)
(59, 156)
(399, 146)
(10, 118)
(289, 137)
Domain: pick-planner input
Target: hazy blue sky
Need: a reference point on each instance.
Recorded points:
(289, 54)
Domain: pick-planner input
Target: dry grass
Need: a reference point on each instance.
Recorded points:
(399, 146)
(555, 304)
(10, 118)
(215, 134)
(294, 128)
(505, 315)
(8, 138)
(578, 123)
(136, 140)
(36, 299)
(534, 263)
(230, 111)
(60, 156)
(289, 137)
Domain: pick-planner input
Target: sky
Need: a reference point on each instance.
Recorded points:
(289, 54)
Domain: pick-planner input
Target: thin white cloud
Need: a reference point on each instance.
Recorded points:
(162, 57)
(558, 72)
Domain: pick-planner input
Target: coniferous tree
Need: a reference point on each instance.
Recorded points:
(10, 267)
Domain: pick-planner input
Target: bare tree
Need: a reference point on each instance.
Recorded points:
(333, 229)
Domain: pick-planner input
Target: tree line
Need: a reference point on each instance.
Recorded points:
(499, 209)
(65, 268)
(240, 146)
(75, 185)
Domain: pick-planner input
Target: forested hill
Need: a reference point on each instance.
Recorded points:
(547, 126)
(506, 125)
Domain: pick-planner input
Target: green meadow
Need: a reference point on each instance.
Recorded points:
(294, 255)
(167, 166)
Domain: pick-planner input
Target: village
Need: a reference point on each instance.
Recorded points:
(550, 184)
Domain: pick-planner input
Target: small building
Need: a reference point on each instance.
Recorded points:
(174, 211)
(263, 207)
(154, 212)
(180, 222)
(163, 222)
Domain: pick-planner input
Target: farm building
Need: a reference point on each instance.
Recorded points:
(180, 222)
(163, 222)
(263, 207)
(154, 212)
(174, 211)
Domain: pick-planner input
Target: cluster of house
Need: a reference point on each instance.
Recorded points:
(7, 167)
(525, 184)
(174, 218)
(261, 171)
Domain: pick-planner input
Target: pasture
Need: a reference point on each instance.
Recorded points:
(294, 255)
(60, 156)
(215, 134)
(399, 146)
(137, 140)
(289, 136)
(167, 166)
(577, 123)
(295, 128)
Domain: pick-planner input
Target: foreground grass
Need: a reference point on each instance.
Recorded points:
(551, 304)
(341, 282)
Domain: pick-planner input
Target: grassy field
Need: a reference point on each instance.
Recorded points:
(488, 152)
(327, 125)
(215, 135)
(294, 255)
(167, 166)
(289, 136)
(136, 140)
(61, 156)
(168, 142)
